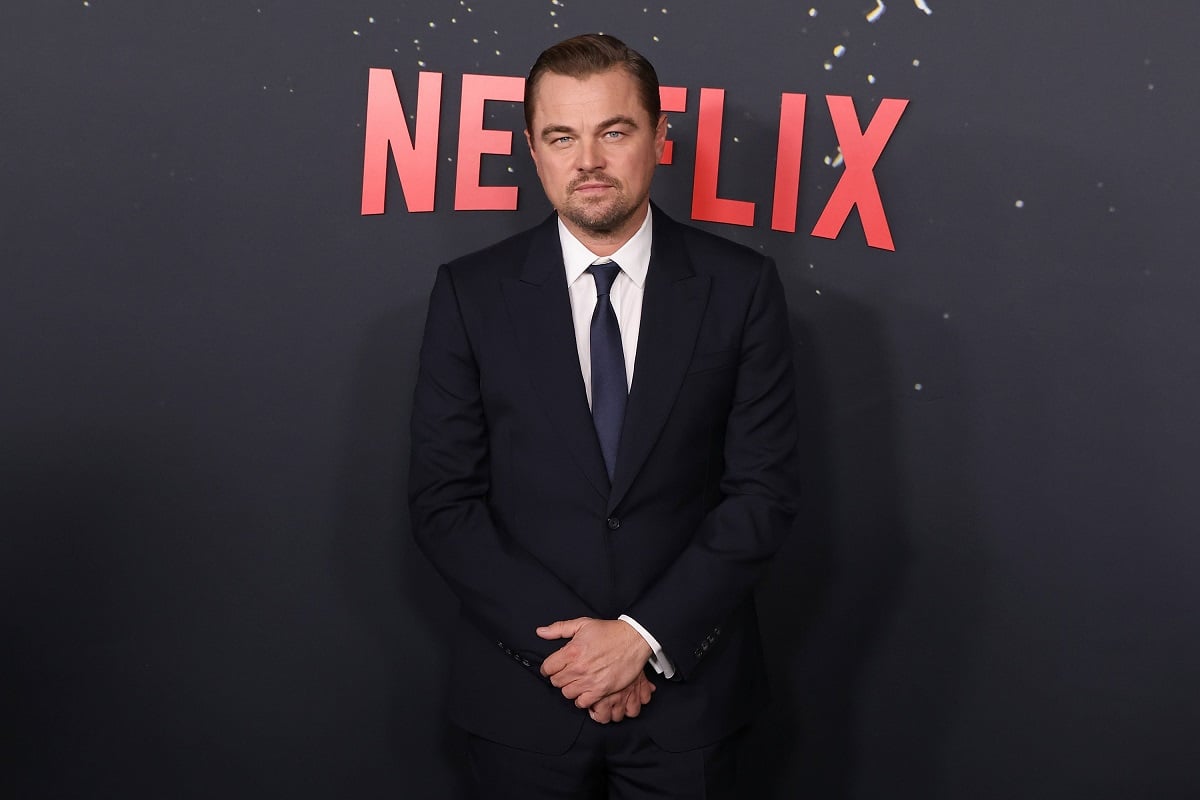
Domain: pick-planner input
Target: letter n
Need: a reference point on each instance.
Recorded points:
(387, 127)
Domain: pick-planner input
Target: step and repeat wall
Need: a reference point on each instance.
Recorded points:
(220, 225)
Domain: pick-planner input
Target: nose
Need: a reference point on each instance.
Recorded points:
(591, 155)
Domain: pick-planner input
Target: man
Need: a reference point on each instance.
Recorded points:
(603, 462)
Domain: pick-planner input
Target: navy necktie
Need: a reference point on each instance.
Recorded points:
(609, 386)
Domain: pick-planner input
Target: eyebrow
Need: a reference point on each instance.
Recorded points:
(619, 119)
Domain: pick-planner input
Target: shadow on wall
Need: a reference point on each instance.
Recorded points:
(837, 590)
(389, 584)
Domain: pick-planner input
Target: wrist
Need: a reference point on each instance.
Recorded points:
(637, 640)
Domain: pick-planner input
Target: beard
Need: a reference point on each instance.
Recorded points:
(599, 215)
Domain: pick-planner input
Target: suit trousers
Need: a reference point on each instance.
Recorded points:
(617, 761)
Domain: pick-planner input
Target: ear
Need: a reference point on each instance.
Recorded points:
(660, 137)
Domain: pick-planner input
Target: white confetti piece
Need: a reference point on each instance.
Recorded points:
(871, 79)
(812, 12)
(1019, 204)
(922, 5)
(839, 51)
(877, 11)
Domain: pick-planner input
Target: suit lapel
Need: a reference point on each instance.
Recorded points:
(540, 309)
(672, 307)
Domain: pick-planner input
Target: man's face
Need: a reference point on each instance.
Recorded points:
(595, 147)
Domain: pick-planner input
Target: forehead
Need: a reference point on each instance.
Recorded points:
(562, 99)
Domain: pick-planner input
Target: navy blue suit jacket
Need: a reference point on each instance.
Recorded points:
(512, 503)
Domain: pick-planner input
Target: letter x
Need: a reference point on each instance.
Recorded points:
(861, 151)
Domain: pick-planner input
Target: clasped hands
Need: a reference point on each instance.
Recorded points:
(601, 668)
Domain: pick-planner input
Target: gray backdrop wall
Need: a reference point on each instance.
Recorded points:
(207, 356)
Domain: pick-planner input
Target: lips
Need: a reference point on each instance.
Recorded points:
(592, 186)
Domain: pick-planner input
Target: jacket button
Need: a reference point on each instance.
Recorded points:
(614, 523)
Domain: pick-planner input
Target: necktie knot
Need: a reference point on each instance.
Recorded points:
(604, 275)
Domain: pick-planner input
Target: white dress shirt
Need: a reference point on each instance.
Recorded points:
(633, 257)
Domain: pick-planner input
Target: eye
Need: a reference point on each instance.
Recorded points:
(613, 135)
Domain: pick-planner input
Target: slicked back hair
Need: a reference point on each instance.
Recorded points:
(590, 54)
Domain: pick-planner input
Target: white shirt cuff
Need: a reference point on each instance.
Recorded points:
(658, 659)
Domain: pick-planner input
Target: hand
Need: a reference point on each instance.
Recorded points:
(604, 656)
(627, 702)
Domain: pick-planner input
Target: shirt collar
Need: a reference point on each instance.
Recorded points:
(633, 256)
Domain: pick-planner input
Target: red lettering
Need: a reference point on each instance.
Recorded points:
(416, 156)
(787, 162)
(860, 151)
(672, 98)
(474, 140)
(705, 203)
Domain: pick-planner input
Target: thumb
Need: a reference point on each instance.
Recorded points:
(563, 629)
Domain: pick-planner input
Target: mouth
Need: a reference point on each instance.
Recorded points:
(592, 187)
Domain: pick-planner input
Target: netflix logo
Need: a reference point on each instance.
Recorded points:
(415, 153)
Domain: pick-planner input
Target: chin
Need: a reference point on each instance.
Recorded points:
(598, 220)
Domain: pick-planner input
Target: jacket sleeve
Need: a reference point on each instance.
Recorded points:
(504, 590)
(685, 608)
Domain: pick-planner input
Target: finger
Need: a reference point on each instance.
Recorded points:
(561, 659)
(563, 629)
(600, 716)
(554, 663)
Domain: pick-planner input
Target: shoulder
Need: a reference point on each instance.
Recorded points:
(708, 253)
(504, 258)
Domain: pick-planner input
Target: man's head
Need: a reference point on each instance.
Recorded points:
(596, 132)
(588, 54)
